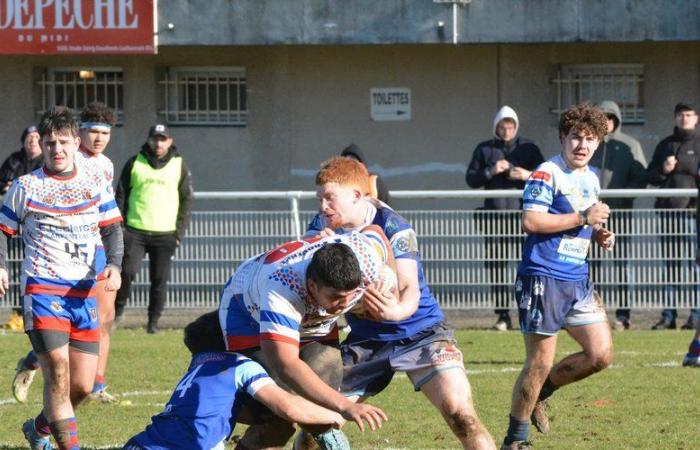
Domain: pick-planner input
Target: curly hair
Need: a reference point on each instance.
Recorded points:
(584, 117)
(98, 112)
(59, 120)
(345, 171)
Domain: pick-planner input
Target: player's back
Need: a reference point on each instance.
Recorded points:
(201, 413)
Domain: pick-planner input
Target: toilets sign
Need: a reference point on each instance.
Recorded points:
(51, 27)
(390, 104)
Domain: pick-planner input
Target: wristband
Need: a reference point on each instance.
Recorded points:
(583, 215)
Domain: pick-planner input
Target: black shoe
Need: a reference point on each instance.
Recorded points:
(689, 325)
(665, 324)
(152, 328)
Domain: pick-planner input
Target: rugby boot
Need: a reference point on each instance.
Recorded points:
(22, 381)
(539, 417)
(517, 445)
(102, 396)
(34, 439)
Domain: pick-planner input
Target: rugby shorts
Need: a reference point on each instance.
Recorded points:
(546, 305)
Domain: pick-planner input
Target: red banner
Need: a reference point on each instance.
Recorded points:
(51, 27)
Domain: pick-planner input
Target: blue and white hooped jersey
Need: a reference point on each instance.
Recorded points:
(267, 298)
(404, 243)
(554, 188)
(201, 412)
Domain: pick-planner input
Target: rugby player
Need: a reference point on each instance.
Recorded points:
(407, 333)
(204, 406)
(96, 122)
(561, 216)
(71, 232)
(280, 309)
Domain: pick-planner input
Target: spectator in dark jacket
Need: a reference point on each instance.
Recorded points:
(621, 165)
(154, 195)
(23, 161)
(503, 162)
(675, 165)
(377, 188)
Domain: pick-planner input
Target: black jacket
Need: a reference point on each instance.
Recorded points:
(16, 165)
(520, 152)
(685, 146)
(186, 192)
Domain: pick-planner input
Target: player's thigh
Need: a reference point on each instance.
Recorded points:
(324, 359)
(105, 301)
(83, 367)
(595, 339)
(447, 388)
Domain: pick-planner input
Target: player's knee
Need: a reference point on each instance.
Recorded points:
(602, 359)
(464, 424)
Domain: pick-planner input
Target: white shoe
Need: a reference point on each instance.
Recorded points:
(102, 396)
(22, 382)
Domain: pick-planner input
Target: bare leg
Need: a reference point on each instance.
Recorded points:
(540, 351)
(451, 394)
(82, 375)
(56, 371)
(596, 354)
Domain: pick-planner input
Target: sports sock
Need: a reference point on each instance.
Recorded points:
(547, 390)
(100, 383)
(41, 425)
(694, 347)
(65, 431)
(30, 361)
(518, 430)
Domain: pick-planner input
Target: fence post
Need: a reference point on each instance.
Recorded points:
(296, 221)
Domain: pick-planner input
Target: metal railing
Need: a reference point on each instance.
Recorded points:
(470, 256)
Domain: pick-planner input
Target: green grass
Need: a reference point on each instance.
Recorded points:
(645, 401)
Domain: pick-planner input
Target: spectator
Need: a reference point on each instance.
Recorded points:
(503, 162)
(377, 188)
(23, 161)
(675, 165)
(621, 165)
(154, 194)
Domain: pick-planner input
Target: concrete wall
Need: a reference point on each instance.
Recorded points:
(273, 22)
(306, 103)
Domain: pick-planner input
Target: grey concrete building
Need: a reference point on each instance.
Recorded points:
(259, 92)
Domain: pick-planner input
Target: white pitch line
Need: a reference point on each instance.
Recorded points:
(143, 393)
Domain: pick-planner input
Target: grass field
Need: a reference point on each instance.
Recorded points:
(646, 400)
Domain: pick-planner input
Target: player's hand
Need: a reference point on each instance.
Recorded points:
(4, 282)
(518, 173)
(605, 238)
(669, 164)
(501, 166)
(326, 232)
(597, 214)
(362, 412)
(114, 279)
(380, 306)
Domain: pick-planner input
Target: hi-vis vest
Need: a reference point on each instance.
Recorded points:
(154, 199)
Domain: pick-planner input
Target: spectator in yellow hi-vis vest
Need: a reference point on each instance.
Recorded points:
(154, 195)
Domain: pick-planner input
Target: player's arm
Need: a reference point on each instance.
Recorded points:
(283, 358)
(539, 222)
(4, 277)
(294, 408)
(113, 241)
(11, 215)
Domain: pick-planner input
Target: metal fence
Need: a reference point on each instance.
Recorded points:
(470, 256)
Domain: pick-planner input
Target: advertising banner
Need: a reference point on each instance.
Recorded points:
(77, 27)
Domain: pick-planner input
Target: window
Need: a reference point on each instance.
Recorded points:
(622, 83)
(204, 96)
(76, 87)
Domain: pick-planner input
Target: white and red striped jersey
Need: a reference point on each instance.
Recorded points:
(61, 220)
(98, 165)
(267, 297)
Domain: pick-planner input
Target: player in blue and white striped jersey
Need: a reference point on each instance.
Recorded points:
(204, 406)
(561, 215)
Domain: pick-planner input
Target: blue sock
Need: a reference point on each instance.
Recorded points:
(30, 361)
(517, 430)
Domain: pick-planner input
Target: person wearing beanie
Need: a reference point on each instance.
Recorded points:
(675, 165)
(23, 161)
(621, 165)
(502, 162)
